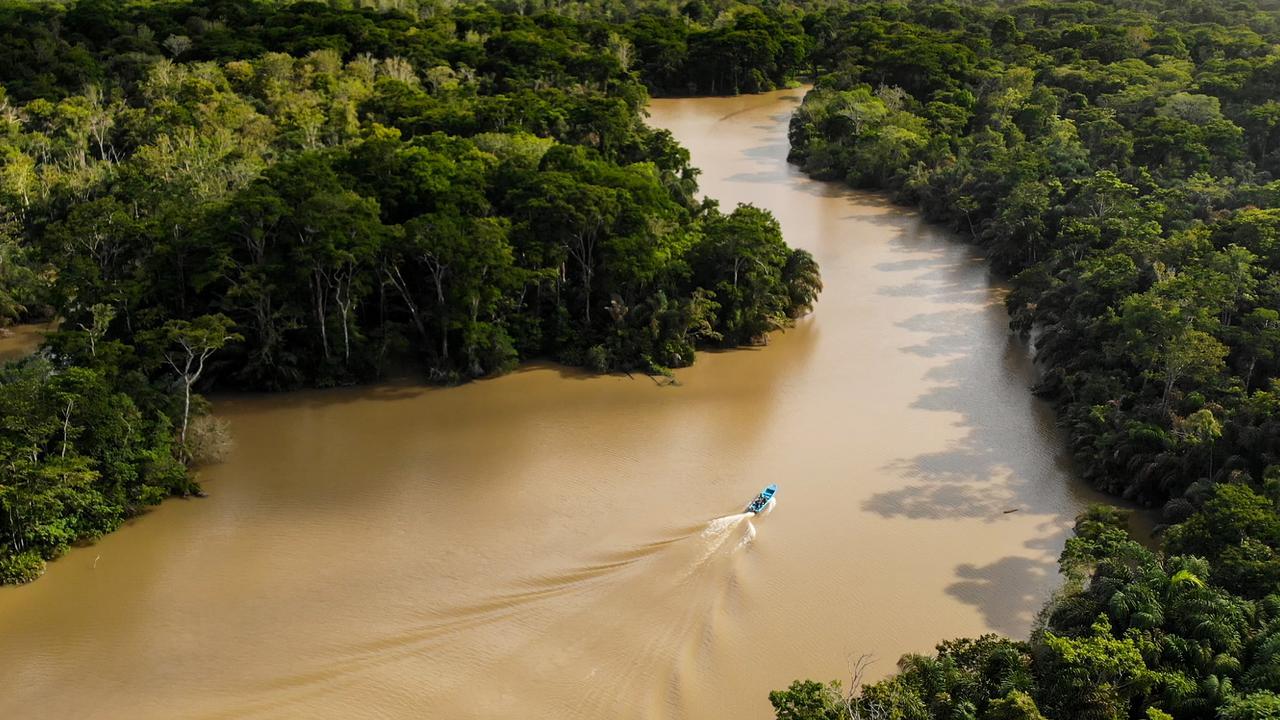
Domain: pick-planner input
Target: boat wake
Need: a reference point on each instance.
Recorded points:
(627, 630)
(748, 537)
(718, 525)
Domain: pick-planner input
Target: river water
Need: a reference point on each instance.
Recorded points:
(21, 340)
(553, 545)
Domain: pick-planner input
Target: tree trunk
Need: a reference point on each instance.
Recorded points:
(345, 307)
(319, 293)
(398, 281)
(186, 411)
(346, 338)
(66, 423)
(437, 275)
(444, 337)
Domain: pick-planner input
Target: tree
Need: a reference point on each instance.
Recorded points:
(186, 346)
(579, 215)
(467, 262)
(1254, 706)
(1191, 353)
(741, 256)
(19, 283)
(1201, 429)
(340, 234)
(177, 45)
(1161, 337)
(807, 700)
(1259, 336)
(1232, 513)
(1092, 677)
(803, 281)
(1017, 705)
(79, 458)
(102, 316)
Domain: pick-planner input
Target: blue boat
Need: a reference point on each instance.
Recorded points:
(763, 499)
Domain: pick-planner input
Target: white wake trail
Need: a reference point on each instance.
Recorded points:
(747, 537)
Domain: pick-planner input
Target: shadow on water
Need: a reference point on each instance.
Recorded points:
(781, 120)
(979, 378)
(938, 287)
(1007, 591)
(940, 326)
(766, 177)
(782, 173)
(978, 475)
(770, 151)
(956, 275)
(390, 390)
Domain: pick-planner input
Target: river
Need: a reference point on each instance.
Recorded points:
(554, 545)
(21, 340)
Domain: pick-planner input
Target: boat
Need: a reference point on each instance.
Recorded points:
(764, 498)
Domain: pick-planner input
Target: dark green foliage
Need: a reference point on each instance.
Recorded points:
(808, 700)
(342, 203)
(1118, 160)
(78, 458)
(742, 259)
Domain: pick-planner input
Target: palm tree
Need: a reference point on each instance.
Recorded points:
(803, 282)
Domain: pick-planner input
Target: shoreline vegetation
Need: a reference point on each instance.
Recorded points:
(275, 195)
(1118, 161)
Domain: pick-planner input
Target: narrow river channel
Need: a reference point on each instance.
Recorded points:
(549, 545)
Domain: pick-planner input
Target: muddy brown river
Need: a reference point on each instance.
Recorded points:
(550, 545)
(21, 340)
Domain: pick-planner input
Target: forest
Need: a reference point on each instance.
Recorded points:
(1117, 160)
(267, 196)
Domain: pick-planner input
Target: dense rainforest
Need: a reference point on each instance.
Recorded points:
(267, 195)
(1120, 161)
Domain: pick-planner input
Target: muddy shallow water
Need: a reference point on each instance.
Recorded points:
(20, 340)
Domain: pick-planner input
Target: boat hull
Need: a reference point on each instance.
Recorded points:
(762, 500)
